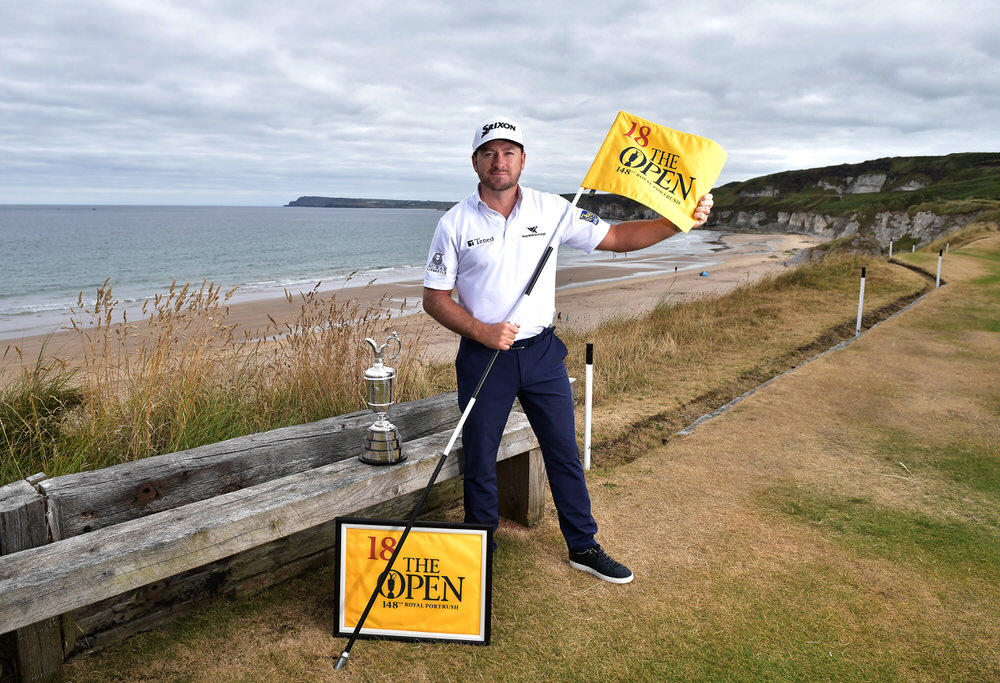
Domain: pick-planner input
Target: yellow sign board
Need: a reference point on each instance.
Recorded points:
(439, 587)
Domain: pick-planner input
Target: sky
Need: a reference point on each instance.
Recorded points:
(258, 102)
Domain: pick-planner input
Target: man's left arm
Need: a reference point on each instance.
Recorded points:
(636, 235)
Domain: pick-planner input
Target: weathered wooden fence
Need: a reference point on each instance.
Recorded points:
(88, 559)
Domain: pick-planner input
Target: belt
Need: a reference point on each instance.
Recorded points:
(528, 341)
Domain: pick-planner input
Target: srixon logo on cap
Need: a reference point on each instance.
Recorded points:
(497, 124)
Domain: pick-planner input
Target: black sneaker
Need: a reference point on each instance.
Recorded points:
(598, 563)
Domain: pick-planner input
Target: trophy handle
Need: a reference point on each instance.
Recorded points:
(399, 345)
(378, 349)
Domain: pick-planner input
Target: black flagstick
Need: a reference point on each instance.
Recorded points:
(346, 654)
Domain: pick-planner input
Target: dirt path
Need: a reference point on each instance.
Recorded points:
(861, 423)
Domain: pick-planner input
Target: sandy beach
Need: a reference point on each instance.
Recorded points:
(613, 285)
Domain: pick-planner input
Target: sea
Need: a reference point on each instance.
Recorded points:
(52, 257)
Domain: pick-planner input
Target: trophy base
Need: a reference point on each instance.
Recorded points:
(382, 447)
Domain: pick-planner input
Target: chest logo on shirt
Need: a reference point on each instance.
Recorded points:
(589, 217)
(437, 264)
(476, 241)
(533, 232)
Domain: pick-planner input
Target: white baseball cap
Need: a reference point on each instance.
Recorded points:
(497, 128)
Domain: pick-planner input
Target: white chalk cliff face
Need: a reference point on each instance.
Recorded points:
(884, 226)
(879, 200)
(887, 199)
(865, 183)
(871, 182)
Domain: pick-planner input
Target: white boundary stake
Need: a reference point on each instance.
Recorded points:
(588, 403)
(890, 247)
(861, 302)
(937, 283)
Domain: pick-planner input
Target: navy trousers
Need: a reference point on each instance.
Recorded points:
(536, 375)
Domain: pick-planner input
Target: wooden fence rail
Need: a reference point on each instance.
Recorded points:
(175, 529)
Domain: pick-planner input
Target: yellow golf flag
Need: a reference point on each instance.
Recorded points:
(661, 168)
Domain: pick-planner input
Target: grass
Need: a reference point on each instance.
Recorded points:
(693, 356)
(782, 542)
(951, 563)
(950, 550)
(33, 408)
(181, 377)
(961, 238)
(969, 462)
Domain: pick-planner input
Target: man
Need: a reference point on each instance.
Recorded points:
(487, 247)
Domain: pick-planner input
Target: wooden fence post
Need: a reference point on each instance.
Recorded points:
(521, 481)
(37, 649)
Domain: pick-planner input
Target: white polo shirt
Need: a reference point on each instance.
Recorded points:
(489, 260)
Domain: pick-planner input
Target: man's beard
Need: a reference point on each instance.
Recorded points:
(497, 186)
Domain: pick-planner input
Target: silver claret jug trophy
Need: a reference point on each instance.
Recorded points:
(382, 443)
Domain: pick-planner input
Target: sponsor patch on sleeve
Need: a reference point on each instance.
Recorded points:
(437, 265)
(589, 217)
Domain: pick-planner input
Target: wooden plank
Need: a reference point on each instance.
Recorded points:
(36, 647)
(84, 502)
(96, 626)
(109, 621)
(60, 577)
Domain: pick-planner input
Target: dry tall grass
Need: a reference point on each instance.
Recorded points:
(185, 375)
(960, 238)
(692, 337)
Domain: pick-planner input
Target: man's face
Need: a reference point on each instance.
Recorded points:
(498, 164)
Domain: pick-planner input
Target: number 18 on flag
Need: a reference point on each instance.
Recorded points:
(661, 168)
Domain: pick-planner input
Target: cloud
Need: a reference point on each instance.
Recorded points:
(254, 102)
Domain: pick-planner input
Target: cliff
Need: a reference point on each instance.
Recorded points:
(352, 203)
(920, 198)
